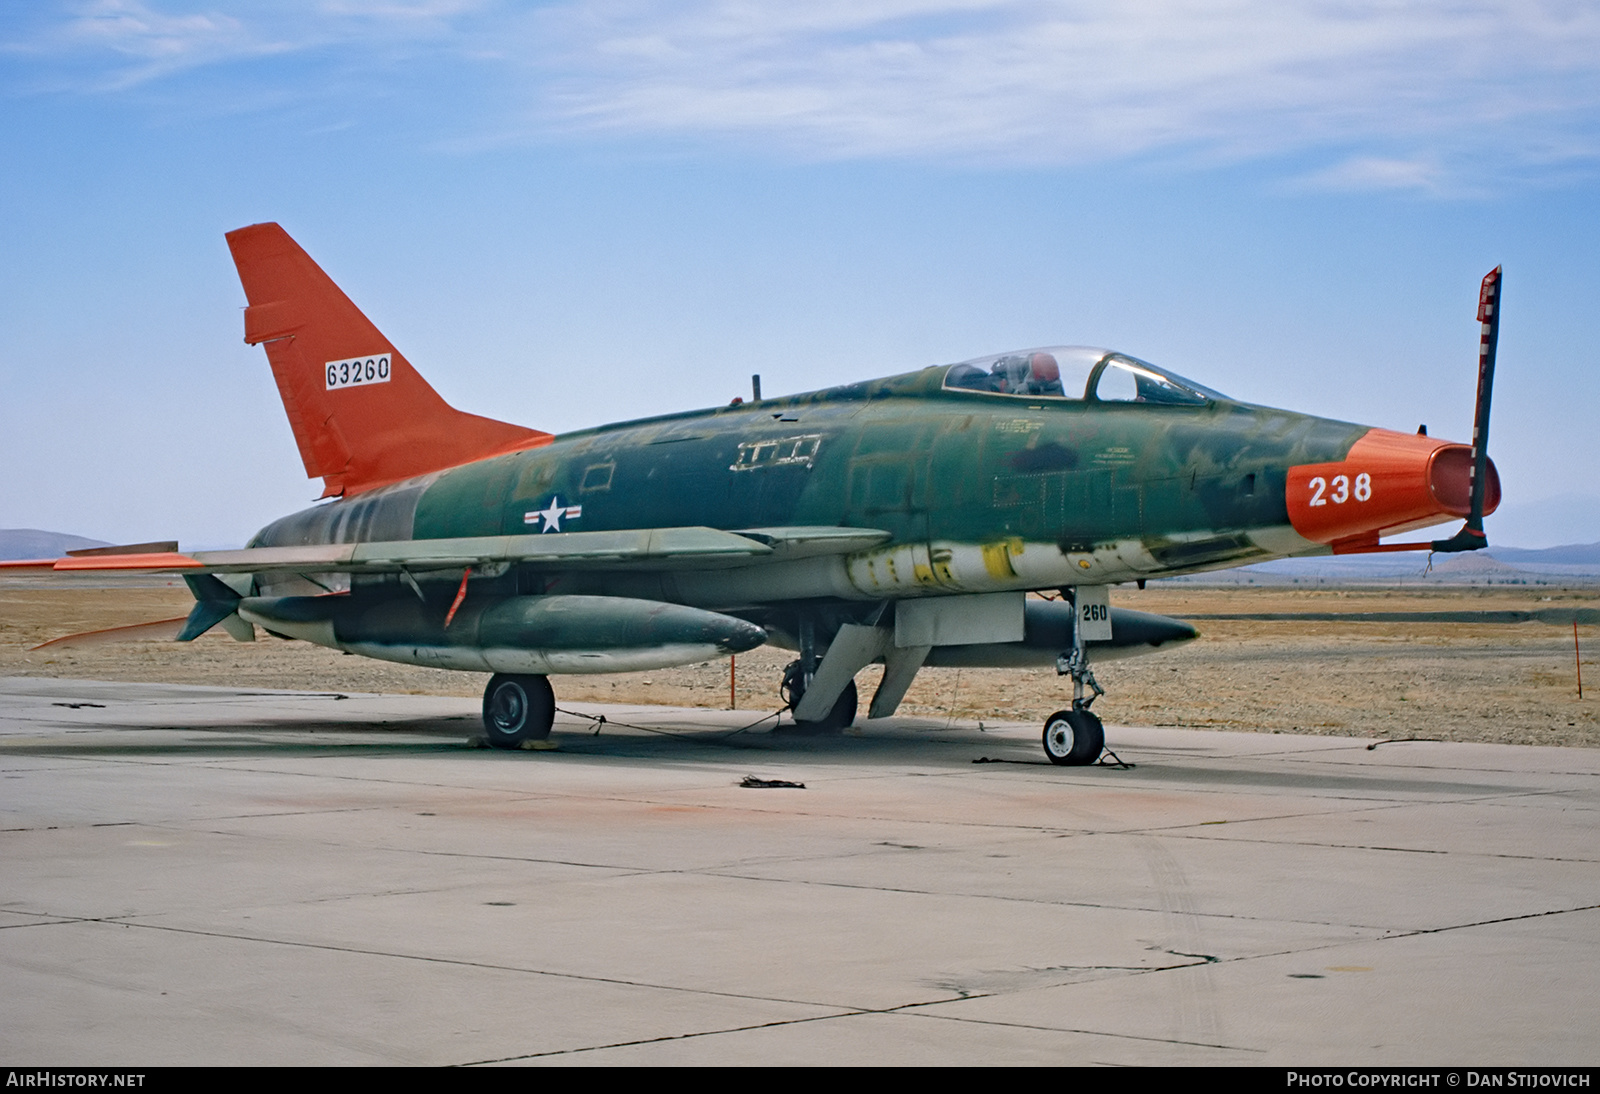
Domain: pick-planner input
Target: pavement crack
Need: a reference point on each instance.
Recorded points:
(666, 1037)
(1490, 922)
(330, 947)
(1382, 847)
(1096, 905)
(910, 1008)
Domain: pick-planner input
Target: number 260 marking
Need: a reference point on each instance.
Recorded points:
(1341, 489)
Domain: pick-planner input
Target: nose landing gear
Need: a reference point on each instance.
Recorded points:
(1073, 738)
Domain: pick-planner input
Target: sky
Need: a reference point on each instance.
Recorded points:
(569, 213)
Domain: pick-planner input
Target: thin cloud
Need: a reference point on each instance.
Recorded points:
(141, 44)
(1378, 173)
(117, 45)
(1050, 83)
(1409, 96)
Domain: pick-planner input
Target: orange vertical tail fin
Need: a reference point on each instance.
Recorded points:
(362, 416)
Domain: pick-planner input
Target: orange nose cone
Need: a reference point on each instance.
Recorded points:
(1450, 480)
(1389, 482)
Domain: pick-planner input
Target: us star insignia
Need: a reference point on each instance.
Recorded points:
(552, 515)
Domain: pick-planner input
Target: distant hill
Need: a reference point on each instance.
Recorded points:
(33, 543)
(1497, 565)
(1574, 554)
(1474, 564)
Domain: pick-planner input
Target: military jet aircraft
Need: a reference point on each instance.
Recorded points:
(902, 520)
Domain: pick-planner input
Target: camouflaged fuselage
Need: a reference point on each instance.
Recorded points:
(978, 492)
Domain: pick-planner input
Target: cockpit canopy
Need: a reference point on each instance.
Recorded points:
(1075, 372)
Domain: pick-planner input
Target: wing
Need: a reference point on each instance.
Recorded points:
(635, 549)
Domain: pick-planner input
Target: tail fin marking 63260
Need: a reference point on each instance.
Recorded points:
(361, 415)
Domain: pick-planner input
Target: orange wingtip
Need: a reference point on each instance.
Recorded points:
(152, 560)
(155, 560)
(40, 564)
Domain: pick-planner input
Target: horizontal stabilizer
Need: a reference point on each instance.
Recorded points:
(160, 630)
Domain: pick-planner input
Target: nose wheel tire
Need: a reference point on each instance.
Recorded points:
(518, 709)
(1073, 738)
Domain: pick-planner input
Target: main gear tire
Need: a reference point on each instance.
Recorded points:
(517, 709)
(843, 713)
(1073, 738)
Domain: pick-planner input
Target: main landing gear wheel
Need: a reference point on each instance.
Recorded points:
(1073, 738)
(843, 713)
(518, 709)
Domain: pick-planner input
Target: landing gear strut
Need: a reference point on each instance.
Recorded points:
(798, 677)
(1075, 737)
(518, 709)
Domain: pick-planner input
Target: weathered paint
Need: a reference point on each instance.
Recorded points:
(977, 492)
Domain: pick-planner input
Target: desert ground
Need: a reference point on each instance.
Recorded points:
(1461, 681)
